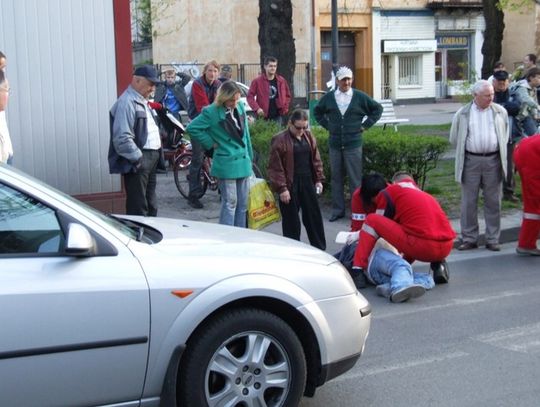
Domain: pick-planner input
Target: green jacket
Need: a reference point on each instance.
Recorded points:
(346, 130)
(232, 154)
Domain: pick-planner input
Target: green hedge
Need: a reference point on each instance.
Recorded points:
(384, 151)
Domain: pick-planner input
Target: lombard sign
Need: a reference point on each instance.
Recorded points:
(409, 46)
(452, 41)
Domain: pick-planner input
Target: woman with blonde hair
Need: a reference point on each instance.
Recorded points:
(223, 126)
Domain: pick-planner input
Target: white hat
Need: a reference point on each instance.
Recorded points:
(343, 72)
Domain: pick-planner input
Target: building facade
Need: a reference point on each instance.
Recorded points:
(412, 51)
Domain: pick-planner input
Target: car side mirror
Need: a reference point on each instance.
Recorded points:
(79, 242)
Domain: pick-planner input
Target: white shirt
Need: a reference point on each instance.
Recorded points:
(153, 142)
(343, 100)
(6, 149)
(481, 136)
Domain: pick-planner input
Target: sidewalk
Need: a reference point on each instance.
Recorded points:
(173, 205)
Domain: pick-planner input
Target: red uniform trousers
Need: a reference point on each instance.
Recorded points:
(530, 225)
(527, 162)
(412, 247)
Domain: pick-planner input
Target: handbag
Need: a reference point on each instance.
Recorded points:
(262, 208)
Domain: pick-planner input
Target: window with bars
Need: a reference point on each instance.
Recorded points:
(410, 70)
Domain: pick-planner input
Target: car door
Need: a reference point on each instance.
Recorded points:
(74, 330)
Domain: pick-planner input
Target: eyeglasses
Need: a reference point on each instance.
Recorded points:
(300, 127)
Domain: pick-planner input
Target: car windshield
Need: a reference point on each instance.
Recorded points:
(131, 232)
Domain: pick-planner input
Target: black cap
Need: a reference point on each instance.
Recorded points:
(501, 75)
(148, 72)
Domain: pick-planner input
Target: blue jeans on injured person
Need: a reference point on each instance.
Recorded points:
(386, 267)
(234, 199)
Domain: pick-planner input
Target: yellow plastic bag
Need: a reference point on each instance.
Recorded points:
(262, 208)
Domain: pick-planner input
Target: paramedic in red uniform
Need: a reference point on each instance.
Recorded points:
(412, 221)
(527, 162)
(362, 203)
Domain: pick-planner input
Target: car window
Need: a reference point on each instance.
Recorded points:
(27, 225)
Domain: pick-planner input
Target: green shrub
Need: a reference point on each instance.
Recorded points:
(389, 152)
(384, 151)
(262, 132)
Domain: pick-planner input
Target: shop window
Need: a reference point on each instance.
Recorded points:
(457, 64)
(410, 70)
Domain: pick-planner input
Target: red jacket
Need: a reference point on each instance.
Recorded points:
(259, 94)
(527, 162)
(358, 212)
(418, 213)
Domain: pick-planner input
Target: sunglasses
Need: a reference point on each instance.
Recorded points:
(300, 127)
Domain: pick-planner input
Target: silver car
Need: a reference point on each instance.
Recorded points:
(132, 311)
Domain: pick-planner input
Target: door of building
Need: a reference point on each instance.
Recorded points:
(440, 87)
(346, 53)
(452, 63)
(385, 82)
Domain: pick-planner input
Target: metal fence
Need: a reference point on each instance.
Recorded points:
(245, 73)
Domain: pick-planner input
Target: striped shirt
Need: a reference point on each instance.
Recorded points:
(481, 136)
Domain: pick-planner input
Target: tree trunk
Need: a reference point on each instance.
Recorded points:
(493, 36)
(276, 36)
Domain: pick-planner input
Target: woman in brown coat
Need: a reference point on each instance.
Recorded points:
(295, 172)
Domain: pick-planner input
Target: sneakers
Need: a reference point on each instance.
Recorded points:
(440, 272)
(359, 278)
(528, 252)
(195, 203)
(407, 293)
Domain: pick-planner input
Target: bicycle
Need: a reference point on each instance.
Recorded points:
(181, 174)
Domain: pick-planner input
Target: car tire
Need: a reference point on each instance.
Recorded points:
(241, 357)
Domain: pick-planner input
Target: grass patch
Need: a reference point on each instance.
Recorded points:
(441, 184)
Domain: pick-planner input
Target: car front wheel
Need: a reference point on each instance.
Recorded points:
(243, 357)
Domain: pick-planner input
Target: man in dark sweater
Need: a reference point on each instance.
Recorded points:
(345, 112)
(502, 97)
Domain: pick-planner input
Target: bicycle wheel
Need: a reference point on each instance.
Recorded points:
(181, 173)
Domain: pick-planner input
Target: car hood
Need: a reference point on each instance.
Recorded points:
(191, 238)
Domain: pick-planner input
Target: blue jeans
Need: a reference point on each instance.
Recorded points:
(234, 199)
(387, 267)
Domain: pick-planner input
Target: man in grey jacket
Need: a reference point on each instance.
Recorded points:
(480, 133)
(135, 143)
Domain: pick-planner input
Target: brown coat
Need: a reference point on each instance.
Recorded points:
(281, 161)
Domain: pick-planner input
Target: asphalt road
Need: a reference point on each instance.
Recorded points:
(473, 342)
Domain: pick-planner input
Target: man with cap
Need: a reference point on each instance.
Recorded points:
(225, 74)
(502, 97)
(346, 113)
(135, 142)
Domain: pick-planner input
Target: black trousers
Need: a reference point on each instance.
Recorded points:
(141, 186)
(509, 184)
(303, 197)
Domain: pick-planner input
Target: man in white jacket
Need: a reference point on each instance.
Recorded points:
(480, 133)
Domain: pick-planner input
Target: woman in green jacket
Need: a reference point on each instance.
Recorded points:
(223, 126)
